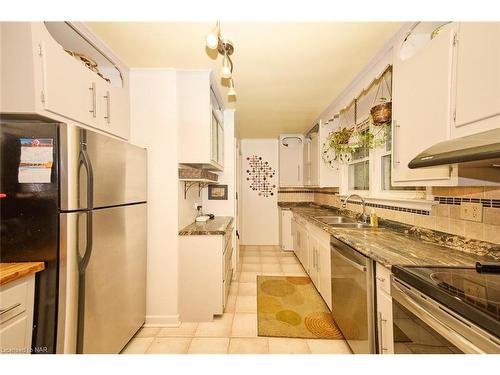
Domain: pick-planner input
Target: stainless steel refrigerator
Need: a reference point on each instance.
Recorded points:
(84, 213)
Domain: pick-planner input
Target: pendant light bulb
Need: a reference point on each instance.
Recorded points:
(232, 91)
(226, 67)
(213, 37)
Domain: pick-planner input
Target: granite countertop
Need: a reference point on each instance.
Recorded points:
(12, 271)
(400, 244)
(216, 226)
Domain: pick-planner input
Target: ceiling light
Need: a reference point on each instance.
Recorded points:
(213, 37)
(226, 48)
(227, 67)
(232, 91)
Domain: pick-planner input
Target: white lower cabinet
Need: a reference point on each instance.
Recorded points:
(301, 241)
(286, 235)
(320, 263)
(385, 333)
(16, 318)
(312, 248)
(205, 274)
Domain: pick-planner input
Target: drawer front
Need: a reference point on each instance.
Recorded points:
(14, 336)
(13, 299)
(383, 278)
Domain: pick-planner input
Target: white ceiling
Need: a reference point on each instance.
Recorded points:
(285, 74)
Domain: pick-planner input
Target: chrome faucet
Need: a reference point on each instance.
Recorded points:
(364, 216)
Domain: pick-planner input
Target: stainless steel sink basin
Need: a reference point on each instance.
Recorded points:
(336, 220)
(351, 225)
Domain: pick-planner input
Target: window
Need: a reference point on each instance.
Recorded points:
(385, 169)
(359, 169)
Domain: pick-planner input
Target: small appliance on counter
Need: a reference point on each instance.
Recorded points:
(201, 216)
(446, 309)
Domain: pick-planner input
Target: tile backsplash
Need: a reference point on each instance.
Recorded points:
(444, 215)
(296, 194)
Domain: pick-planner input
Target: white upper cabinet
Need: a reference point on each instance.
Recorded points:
(291, 148)
(477, 85)
(40, 77)
(201, 120)
(307, 162)
(315, 160)
(422, 74)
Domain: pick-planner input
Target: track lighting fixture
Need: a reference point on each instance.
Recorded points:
(226, 48)
(226, 67)
(213, 37)
(232, 91)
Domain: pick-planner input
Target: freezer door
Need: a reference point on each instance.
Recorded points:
(115, 278)
(119, 169)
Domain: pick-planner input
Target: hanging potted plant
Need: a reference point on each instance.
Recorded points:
(381, 113)
(337, 146)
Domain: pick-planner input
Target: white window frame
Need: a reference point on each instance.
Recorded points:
(375, 180)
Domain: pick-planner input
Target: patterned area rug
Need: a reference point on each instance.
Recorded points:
(292, 307)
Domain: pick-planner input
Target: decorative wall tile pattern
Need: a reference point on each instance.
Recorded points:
(458, 200)
(260, 175)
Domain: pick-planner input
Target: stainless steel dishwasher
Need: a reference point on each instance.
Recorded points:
(352, 296)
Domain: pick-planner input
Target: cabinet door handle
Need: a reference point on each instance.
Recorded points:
(381, 279)
(298, 172)
(10, 308)
(380, 321)
(93, 110)
(108, 107)
(395, 145)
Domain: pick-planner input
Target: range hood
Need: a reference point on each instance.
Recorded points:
(478, 150)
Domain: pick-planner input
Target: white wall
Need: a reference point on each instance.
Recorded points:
(154, 126)
(187, 212)
(260, 215)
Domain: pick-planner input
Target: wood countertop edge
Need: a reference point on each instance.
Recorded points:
(12, 271)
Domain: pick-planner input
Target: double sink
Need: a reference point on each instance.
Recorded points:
(342, 222)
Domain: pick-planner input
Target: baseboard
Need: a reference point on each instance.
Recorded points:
(162, 321)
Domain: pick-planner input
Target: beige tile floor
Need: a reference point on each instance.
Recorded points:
(235, 332)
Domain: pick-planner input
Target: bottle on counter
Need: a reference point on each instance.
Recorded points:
(373, 218)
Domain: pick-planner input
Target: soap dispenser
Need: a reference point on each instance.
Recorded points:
(373, 218)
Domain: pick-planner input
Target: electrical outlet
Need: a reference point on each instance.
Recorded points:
(471, 211)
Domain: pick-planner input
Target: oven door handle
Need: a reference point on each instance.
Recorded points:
(422, 313)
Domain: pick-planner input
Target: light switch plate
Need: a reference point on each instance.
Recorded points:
(471, 211)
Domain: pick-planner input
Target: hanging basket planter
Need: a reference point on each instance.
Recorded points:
(381, 113)
(338, 146)
(342, 136)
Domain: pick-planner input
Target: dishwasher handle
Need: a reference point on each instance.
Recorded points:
(360, 267)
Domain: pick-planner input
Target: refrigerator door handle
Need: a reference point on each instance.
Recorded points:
(85, 161)
(84, 261)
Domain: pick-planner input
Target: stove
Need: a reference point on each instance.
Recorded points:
(472, 292)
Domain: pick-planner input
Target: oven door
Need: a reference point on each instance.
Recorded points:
(423, 326)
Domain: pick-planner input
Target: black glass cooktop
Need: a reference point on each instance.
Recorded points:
(474, 295)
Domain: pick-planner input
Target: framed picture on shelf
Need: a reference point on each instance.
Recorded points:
(217, 192)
